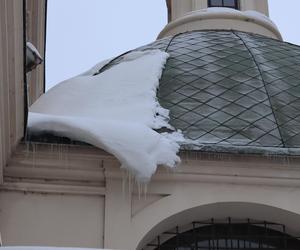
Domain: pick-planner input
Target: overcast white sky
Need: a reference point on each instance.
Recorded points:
(81, 33)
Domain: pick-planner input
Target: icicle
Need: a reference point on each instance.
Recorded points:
(51, 148)
(63, 155)
(59, 152)
(33, 154)
(145, 190)
(124, 180)
(67, 156)
(287, 160)
(127, 180)
(129, 183)
(27, 149)
(139, 190)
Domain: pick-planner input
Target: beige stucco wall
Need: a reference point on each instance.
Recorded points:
(194, 15)
(12, 69)
(204, 189)
(33, 219)
(258, 5)
(35, 29)
(81, 193)
(187, 17)
(11, 78)
(179, 8)
(53, 196)
(200, 202)
(200, 22)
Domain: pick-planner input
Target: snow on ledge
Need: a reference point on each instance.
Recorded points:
(33, 49)
(116, 110)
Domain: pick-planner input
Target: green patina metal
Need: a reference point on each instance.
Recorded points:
(232, 88)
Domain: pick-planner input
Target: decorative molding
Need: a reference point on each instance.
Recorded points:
(141, 201)
(202, 15)
(36, 29)
(52, 188)
(91, 167)
(11, 78)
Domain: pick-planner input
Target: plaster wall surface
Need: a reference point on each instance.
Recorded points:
(88, 202)
(182, 203)
(179, 8)
(193, 15)
(35, 219)
(257, 5)
(199, 190)
(218, 23)
(11, 78)
(35, 29)
(201, 201)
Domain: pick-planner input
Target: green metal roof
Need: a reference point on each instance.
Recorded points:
(231, 89)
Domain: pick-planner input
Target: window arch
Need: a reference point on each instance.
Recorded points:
(224, 3)
(226, 235)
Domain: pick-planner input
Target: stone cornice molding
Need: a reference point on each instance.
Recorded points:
(203, 15)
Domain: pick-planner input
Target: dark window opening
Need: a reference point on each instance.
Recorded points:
(224, 3)
(211, 235)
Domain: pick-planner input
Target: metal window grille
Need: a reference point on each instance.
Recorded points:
(223, 3)
(226, 235)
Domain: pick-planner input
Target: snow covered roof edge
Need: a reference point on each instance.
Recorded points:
(116, 110)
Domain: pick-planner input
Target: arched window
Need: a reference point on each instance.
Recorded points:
(224, 3)
(227, 235)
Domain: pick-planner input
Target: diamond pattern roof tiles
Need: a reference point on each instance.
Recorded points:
(229, 88)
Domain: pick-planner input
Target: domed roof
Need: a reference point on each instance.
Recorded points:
(229, 90)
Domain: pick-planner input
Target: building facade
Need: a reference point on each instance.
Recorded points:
(238, 189)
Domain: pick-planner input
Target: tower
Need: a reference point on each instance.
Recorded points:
(248, 16)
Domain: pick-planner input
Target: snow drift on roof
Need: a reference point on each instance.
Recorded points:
(116, 110)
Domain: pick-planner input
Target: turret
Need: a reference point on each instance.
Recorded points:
(243, 15)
